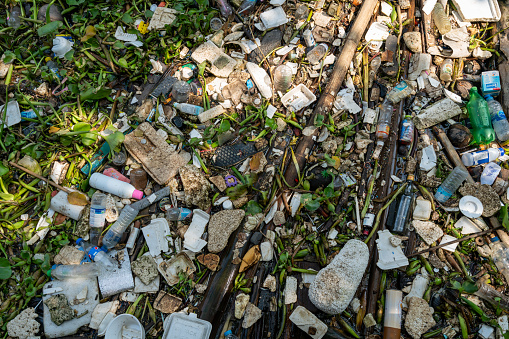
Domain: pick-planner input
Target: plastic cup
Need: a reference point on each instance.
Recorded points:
(471, 206)
(123, 321)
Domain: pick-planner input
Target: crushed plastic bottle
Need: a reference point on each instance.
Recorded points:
(225, 8)
(65, 272)
(97, 216)
(441, 19)
(451, 184)
(316, 54)
(499, 120)
(97, 254)
(402, 90)
(479, 114)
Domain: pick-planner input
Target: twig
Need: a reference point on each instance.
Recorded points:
(370, 191)
(65, 189)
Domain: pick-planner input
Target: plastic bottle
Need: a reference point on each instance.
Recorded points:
(114, 186)
(374, 65)
(482, 157)
(499, 120)
(229, 335)
(309, 39)
(500, 256)
(406, 135)
(317, 53)
(446, 70)
(392, 319)
(211, 113)
(246, 7)
(119, 159)
(282, 78)
(97, 216)
(490, 173)
(489, 294)
(126, 217)
(479, 115)
(113, 173)
(384, 121)
(97, 255)
(188, 108)
(403, 211)
(13, 20)
(402, 90)
(134, 235)
(180, 91)
(63, 272)
(451, 184)
(441, 19)
(225, 8)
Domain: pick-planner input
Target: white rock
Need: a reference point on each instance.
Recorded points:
(252, 315)
(241, 302)
(305, 320)
(267, 251)
(270, 283)
(24, 324)
(82, 296)
(290, 290)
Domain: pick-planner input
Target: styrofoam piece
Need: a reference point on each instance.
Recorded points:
(170, 269)
(273, 18)
(428, 6)
(428, 159)
(221, 63)
(60, 204)
(13, 116)
(308, 278)
(295, 203)
(100, 312)
(419, 286)
(471, 207)
(70, 288)
(123, 36)
(386, 8)
(486, 332)
(344, 100)
(162, 16)
(422, 210)
(261, 79)
(389, 257)
(376, 35)
(119, 279)
(448, 238)
(478, 10)
(182, 326)
(125, 326)
(277, 2)
(467, 226)
(153, 287)
(192, 237)
(304, 319)
(271, 110)
(156, 234)
(105, 323)
(298, 98)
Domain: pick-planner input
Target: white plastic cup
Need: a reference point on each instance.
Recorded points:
(114, 330)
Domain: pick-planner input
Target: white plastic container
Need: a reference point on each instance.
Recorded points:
(211, 113)
(156, 234)
(60, 204)
(482, 157)
(181, 326)
(125, 326)
(261, 79)
(114, 186)
(192, 237)
(490, 173)
(298, 98)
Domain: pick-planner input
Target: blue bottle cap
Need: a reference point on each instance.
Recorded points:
(227, 333)
(487, 96)
(94, 251)
(79, 240)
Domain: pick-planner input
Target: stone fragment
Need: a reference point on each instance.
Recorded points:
(196, 187)
(335, 285)
(241, 302)
(81, 297)
(69, 255)
(54, 13)
(200, 288)
(279, 218)
(252, 221)
(59, 309)
(308, 322)
(167, 303)
(270, 283)
(428, 231)
(221, 226)
(145, 268)
(24, 324)
(290, 290)
(219, 182)
(267, 251)
(251, 316)
(210, 260)
(413, 41)
(369, 321)
(419, 318)
(488, 196)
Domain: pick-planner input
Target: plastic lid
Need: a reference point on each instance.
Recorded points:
(488, 97)
(227, 333)
(138, 194)
(471, 207)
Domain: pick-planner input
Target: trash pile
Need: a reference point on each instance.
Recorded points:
(244, 169)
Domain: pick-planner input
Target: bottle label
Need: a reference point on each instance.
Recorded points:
(383, 131)
(401, 86)
(499, 116)
(447, 68)
(97, 216)
(442, 195)
(481, 157)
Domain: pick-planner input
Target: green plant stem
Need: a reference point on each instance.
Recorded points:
(370, 191)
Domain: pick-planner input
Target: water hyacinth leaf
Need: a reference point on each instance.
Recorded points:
(114, 140)
(126, 18)
(49, 28)
(82, 127)
(95, 94)
(89, 32)
(253, 208)
(5, 269)
(225, 126)
(3, 169)
(74, 2)
(123, 62)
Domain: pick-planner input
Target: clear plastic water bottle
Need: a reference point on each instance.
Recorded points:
(225, 8)
(14, 20)
(403, 211)
(180, 91)
(406, 135)
(317, 53)
(229, 335)
(402, 90)
(482, 157)
(446, 69)
(64, 272)
(114, 234)
(282, 78)
(188, 108)
(97, 216)
(500, 256)
(451, 184)
(98, 255)
(441, 19)
(384, 121)
(499, 120)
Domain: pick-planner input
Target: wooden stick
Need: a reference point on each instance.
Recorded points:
(474, 235)
(328, 96)
(65, 189)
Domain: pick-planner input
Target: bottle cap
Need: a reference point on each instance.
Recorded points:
(138, 194)
(494, 239)
(94, 251)
(487, 96)
(48, 273)
(471, 207)
(227, 333)
(79, 240)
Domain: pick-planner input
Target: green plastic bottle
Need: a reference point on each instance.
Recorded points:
(479, 114)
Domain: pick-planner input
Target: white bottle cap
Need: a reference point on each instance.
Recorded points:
(227, 205)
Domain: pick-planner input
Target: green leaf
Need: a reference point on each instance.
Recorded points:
(6, 196)
(201, 68)
(328, 192)
(5, 269)
(319, 120)
(88, 139)
(123, 62)
(46, 264)
(313, 205)
(82, 127)
(126, 18)
(225, 126)
(95, 94)
(3, 169)
(49, 28)
(394, 14)
(118, 45)
(253, 208)
(9, 57)
(271, 123)
(69, 55)
(74, 2)
(505, 217)
(114, 140)
(469, 287)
